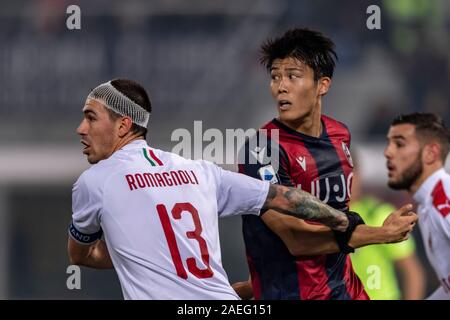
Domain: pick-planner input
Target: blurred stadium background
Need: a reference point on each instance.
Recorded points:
(199, 61)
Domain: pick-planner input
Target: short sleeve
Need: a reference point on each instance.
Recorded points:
(255, 160)
(86, 205)
(239, 194)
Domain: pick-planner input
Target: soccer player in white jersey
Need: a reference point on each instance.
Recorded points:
(159, 212)
(418, 145)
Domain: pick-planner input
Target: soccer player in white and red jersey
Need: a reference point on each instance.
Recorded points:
(418, 145)
(159, 212)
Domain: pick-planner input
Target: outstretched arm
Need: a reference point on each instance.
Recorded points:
(95, 255)
(303, 205)
(302, 238)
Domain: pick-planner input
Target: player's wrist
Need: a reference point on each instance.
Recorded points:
(343, 238)
(366, 235)
(376, 235)
(388, 234)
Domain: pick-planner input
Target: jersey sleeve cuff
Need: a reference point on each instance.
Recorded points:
(83, 238)
(263, 197)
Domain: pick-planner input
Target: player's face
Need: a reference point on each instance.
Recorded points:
(404, 157)
(294, 89)
(98, 131)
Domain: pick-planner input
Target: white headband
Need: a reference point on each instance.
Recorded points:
(118, 102)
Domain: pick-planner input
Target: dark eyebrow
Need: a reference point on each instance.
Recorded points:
(398, 137)
(273, 68)
(289, 69)
(295, 69)
(87, 112)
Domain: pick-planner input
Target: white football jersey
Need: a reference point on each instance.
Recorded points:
(159, 215)
(434, 222)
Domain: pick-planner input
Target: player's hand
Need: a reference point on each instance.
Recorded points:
(399, 224)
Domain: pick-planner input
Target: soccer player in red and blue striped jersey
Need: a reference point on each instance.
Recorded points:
(296, 259)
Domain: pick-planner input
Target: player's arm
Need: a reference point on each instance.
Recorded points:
(413, 277)
(302, 238)
(85, 246)
(244, 289)
(303, 205)
(94, 255)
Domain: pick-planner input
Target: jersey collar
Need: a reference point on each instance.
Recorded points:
(300, 135)
(135, 144)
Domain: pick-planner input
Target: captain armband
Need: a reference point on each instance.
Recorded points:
(84, 238)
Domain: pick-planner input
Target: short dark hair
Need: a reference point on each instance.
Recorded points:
(428, 127)
(308, 46)
(136, 93)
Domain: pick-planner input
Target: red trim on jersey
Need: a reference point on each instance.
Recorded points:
(440, 199)
(152, 154)
(256, 283)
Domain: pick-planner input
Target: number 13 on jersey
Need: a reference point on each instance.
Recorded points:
(176, 212)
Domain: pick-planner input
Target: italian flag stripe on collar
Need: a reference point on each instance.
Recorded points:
(151, 157)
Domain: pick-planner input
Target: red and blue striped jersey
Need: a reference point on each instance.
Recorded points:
(323, 167)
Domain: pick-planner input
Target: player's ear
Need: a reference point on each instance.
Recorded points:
(323, 85)
(125, 125)
(431, 153)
